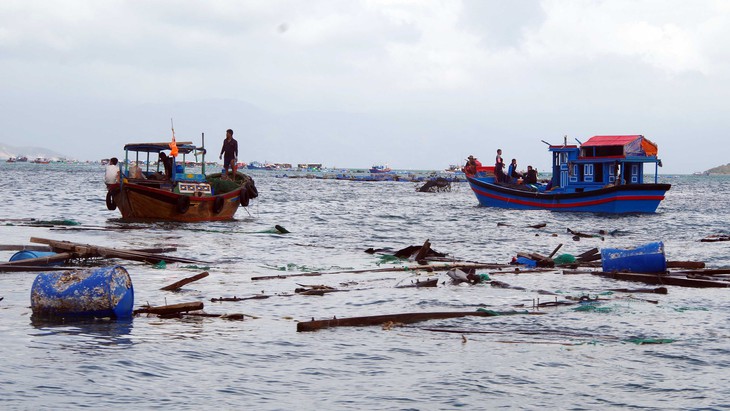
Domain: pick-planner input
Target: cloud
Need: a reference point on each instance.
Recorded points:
(473, 73)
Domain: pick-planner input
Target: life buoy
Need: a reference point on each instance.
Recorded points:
(218, 203)
(110, 204)
(183, 204)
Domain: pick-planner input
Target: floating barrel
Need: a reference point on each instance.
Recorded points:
(648, 258)
(99, 292)
(28, 254)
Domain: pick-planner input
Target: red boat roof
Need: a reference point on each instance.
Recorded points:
(610, 140)
(632, 144)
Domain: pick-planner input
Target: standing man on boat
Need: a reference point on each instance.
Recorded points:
(230, 149)
(499, 167)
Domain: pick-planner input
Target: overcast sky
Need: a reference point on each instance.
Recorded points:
(415, 84)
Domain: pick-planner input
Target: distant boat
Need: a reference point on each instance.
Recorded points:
(21, 159)
(11, 160)
(380, 169)
(604, 175)
(255, 165)
(41, 160)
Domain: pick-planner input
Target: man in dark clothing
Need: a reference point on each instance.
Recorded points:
(530, 176)
(499, 168)
(230, 149)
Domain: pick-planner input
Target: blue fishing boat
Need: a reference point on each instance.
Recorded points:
(603, 175)
(380, 169)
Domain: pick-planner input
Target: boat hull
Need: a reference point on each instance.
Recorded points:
(138, 202)
(620, 199)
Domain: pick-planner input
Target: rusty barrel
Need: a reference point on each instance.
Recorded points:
(98, 292)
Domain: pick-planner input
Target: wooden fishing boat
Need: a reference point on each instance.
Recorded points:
(604, 175)
(173, 192)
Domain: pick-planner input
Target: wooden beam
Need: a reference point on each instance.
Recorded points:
(170, 309)
(405, 318)
(177, 285)
(85, 250)
(427, 267)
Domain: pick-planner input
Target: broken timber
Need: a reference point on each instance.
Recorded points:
(170, 309)
(85, 250)
(177, 285)
(406, 318)
(435, 267)
(663, 279)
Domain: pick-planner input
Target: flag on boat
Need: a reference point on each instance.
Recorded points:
(173, 144)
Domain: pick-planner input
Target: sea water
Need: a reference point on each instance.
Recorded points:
(563, 358)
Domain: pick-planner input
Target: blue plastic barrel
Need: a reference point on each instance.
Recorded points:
(28, 254)
(99, 292)
(648, 258)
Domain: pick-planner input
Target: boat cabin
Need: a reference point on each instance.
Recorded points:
(603, 161)
(156, 173)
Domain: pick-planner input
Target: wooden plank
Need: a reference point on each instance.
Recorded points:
(177, 285)
(36, 268)
(427, 267)
(41, 260)
(588, 253)
(85, 250)
(10, 247)
(692, 265)
(406, 318)
(170, 309)
(555, 250)
(425, 248)
(664, 280)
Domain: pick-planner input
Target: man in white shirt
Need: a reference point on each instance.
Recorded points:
(112, 171)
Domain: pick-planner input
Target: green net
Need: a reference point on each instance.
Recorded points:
(564, 259)
(642, 341)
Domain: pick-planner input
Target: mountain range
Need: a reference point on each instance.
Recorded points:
(7, 151)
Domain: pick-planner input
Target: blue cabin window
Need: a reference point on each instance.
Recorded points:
(588, 173)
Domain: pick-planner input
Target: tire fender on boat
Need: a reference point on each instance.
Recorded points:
(183, 204)
(243, 197)
(110, 204)
(218, 203)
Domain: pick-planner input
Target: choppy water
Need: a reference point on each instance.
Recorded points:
(564, 359)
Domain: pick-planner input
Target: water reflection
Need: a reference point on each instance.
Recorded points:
(85, 334)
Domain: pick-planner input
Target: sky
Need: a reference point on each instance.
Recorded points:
(415, 84)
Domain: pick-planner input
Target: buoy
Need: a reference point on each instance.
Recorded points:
(99, 292)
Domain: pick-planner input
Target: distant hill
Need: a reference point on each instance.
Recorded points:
(7, 151)
(719, 170)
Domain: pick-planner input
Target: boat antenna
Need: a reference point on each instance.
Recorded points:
(545, 142)
(579, 142)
